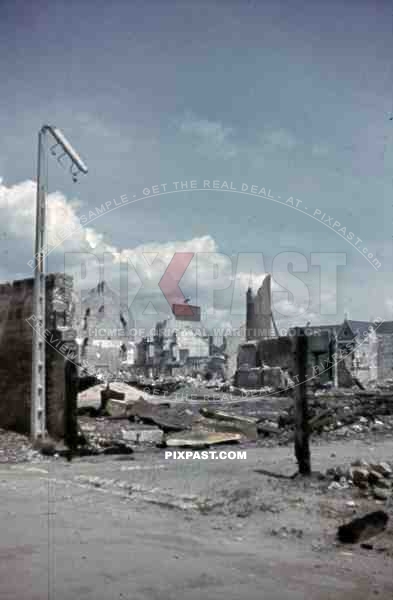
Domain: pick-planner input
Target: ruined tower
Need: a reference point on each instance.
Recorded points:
(259, 312)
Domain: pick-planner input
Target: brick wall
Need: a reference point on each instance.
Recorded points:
(16, 306)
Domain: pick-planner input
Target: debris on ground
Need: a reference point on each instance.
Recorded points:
(18, 448)
(363, 528)
(225, 416)
(374, 479)
(92, 395)
(248, 431)
(284, 532)
(169, 419)
(215, 407)
(100, 434)
(201, 439)
(143, 434)
(345, 413)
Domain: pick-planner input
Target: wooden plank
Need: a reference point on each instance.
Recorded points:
(224, 416)
(201, 439)
(363, 528)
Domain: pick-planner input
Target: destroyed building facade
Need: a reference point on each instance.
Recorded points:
(181, 345)
(259, 316)
(365, 349)
(105, 329)
(16, 331)
(364, 352)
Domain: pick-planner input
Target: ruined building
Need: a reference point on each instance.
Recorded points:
(104, 329)
(259, 323)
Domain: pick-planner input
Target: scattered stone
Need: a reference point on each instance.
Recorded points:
(360, 463)
(384, 483)
(374, 477)
(367, 546)
(264, 507)
(344, 483)
(384, 468)
(381, 494)
(359, 476)
(142, 434)
(335, 473)
(284, 532)
(297, 532)
(357, 428)
(335, 485)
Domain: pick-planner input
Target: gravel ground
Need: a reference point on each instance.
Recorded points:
(143, 527)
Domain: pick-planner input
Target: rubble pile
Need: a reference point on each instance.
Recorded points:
(373, 480)
(165, 424)
(117, 435)
(267, 419)
(17, 448)
(158, 386)
(345, 414)
(92, 395)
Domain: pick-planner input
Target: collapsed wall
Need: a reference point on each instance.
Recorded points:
(16, 307)
(267, 362)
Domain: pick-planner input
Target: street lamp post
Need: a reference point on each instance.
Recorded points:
(38, 388)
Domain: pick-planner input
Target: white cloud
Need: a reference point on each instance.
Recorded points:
(17, 214)
(17, 207)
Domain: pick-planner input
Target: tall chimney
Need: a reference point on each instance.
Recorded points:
(250, 314)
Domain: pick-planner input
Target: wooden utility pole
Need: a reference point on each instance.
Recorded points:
(302, 447)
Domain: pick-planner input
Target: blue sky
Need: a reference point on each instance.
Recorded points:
(292, 96)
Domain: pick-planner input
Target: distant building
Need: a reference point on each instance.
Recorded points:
(104, 329)
(364, 351)
(384, 333)
(157, 354)
(191, 336)
(180, 344)
(233, 343)
(357, 340)
(193, 348)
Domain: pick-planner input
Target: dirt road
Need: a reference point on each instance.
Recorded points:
(148, 528)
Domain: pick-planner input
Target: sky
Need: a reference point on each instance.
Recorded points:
(294, 98)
